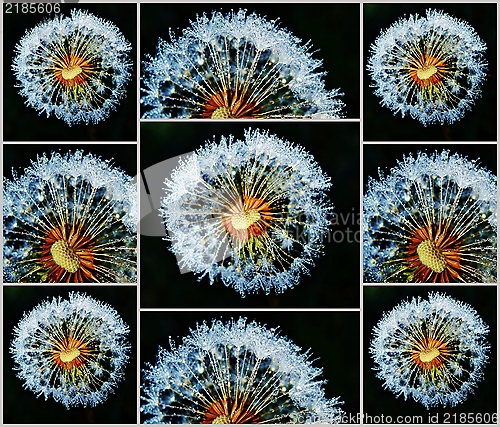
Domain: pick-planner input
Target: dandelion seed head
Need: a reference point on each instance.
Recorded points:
(433, 351)
(237, 65)
(73, 67)
(431, 219)
(73, 350)
(252, 212)
(430, 68)
(70, 218)
(233, 373)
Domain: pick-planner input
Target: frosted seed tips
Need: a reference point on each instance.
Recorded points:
(432, 218)
(237, 65)
(70, 218)
(429, 67)
(237, 372)
(250, 212)
(73, 351)
(433, 351)
(74, 67)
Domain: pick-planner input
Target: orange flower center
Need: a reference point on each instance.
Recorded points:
(228, 105)
(70, 353)
(435, 255)
(68, 254)
(72, 70)
(247, 217)
(430, 354)
(427, 70)
(229, 412)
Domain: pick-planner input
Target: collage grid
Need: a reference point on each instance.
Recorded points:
(299, 312)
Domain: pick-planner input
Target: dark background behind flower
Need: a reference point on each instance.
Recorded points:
(19, 156)
(479, 124)
(23, 123)
(331, 337)
(22, 406)
(332, 29)
(333, 280)
(377, 400)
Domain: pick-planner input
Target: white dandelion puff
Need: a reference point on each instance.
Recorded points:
(252, 212)
(430, 68)
(433, 351)
(70, 218)
(73, 67)
(237, 65)
(236, 372)
(73, 351)
(433, 218)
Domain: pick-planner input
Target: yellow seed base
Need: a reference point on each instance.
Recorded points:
(222, 419)
(69, 354)
(429, 355)
(221, 113)
(431, 256)
(64, 256)
(243, 220)
(426, 72)
(71, 72)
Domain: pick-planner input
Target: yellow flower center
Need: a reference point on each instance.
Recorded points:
(222, 419)
(426, 72)
(64, 256)
(431, 256)
(69, 354)
(71, 72)
(428, 355)
(243, 220)
(222, 113)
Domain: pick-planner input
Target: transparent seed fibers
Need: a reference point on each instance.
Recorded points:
(432, 218)
(71, 350)
(252, 213)
(431, 350)
(70, 217)
(235, 372)
(237, 65)
(428, 67)
(75, 68)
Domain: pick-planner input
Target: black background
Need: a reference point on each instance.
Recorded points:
(20, 156)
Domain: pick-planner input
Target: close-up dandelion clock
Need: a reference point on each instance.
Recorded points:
(430, 67)
(433, 351)
(237, 372)
(432, 218)
(75, 68)
(236, 65)
(71, 350)
(70, 218)
(251, 213)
